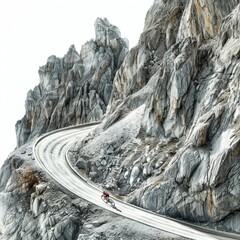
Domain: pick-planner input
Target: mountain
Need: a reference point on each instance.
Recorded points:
(76, 88)
(169, 140)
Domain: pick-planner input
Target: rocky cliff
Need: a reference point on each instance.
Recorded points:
(170, 134)
(170, 141)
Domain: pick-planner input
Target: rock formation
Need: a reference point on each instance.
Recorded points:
(175, 115)
(169, 140)
(76, 88)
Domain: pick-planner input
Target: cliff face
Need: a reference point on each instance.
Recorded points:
(196, 103)
(170, 136)
(173, 116)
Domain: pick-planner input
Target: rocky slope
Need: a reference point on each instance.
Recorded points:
(170, 134)
(72, 90)
(170, 141)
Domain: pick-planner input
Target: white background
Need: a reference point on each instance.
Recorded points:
(32, 30)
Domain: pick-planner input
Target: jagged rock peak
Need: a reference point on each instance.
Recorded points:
(106, 33)
(72, 55)
(76, 88)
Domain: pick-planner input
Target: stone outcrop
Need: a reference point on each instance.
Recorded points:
(26, 211)
(76, 88)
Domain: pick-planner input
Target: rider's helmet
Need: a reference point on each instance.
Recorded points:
(106, 193)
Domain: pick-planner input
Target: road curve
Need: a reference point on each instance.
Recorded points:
(50, 151)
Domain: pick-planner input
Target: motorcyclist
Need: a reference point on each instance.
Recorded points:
(106, 195)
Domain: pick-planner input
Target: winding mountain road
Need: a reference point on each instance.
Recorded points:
(50, 151)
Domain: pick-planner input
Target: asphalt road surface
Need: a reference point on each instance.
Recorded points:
(50, 151)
